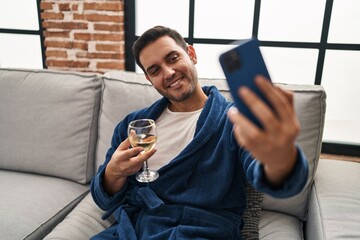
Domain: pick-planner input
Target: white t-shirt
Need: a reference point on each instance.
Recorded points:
(175, 131)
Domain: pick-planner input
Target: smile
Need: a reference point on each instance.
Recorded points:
(174, 84)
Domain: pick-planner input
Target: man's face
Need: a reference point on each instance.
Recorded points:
(170, 69)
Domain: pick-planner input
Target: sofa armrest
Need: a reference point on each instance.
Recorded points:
(334, 204)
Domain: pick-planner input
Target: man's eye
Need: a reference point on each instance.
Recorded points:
(154, 71)
(174, 58)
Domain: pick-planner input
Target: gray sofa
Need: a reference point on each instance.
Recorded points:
(55, 128)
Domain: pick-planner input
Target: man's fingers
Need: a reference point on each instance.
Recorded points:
(124, 145)
(143, 156)
(258, 107)
(244, 129)
(129, 161)
(132, 152)
(277, 97)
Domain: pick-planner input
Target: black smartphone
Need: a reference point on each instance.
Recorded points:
(240, 65)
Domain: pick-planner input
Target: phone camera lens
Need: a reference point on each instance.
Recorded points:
(232, 61)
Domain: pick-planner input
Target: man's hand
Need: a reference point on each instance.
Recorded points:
(273, 146)
(123, 163)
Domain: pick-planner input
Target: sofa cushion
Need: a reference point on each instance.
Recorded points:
(32, 205)
(49, 122)
(82, 223)
(280, 226)
(334, 205)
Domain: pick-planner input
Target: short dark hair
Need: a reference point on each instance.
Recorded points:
(151, 36)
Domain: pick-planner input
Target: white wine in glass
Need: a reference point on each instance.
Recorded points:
(142, 133)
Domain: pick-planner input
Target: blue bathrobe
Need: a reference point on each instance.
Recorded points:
(200, 194)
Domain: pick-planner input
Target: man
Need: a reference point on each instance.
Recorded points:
(203, 152)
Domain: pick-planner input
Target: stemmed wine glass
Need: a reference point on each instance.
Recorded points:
(142, 133)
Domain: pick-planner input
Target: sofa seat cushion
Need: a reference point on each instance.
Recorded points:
(279, 226)
(335, 200)
(82, 223)
(31, 205)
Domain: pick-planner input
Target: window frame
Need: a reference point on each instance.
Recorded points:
(38, 32)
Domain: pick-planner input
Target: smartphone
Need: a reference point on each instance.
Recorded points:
(240, 66)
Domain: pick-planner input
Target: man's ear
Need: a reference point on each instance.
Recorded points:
(192, 54)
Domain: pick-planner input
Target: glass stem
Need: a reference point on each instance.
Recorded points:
(146, 167)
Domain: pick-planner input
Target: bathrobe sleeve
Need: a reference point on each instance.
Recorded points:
(293, 185)
(105, 201)
(101, 197)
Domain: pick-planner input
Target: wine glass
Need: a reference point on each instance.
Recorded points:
(142, 133)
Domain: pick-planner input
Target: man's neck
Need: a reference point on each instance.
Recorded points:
(196, 102)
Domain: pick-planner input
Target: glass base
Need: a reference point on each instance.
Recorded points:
(147, 176)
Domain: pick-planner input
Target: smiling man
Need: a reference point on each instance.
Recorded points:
(171, 70)
(206, 153)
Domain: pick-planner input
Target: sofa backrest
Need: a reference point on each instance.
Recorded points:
(124, 92)
(48, 122)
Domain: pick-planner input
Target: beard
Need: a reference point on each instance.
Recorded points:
(184, 95)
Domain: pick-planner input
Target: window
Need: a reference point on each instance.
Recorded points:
(304, 42)
(21, 43)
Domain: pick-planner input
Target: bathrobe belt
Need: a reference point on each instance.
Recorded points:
(146, 198)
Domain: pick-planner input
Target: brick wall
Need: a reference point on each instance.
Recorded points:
(84, 35)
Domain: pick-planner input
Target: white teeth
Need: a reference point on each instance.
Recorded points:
(175, 83)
